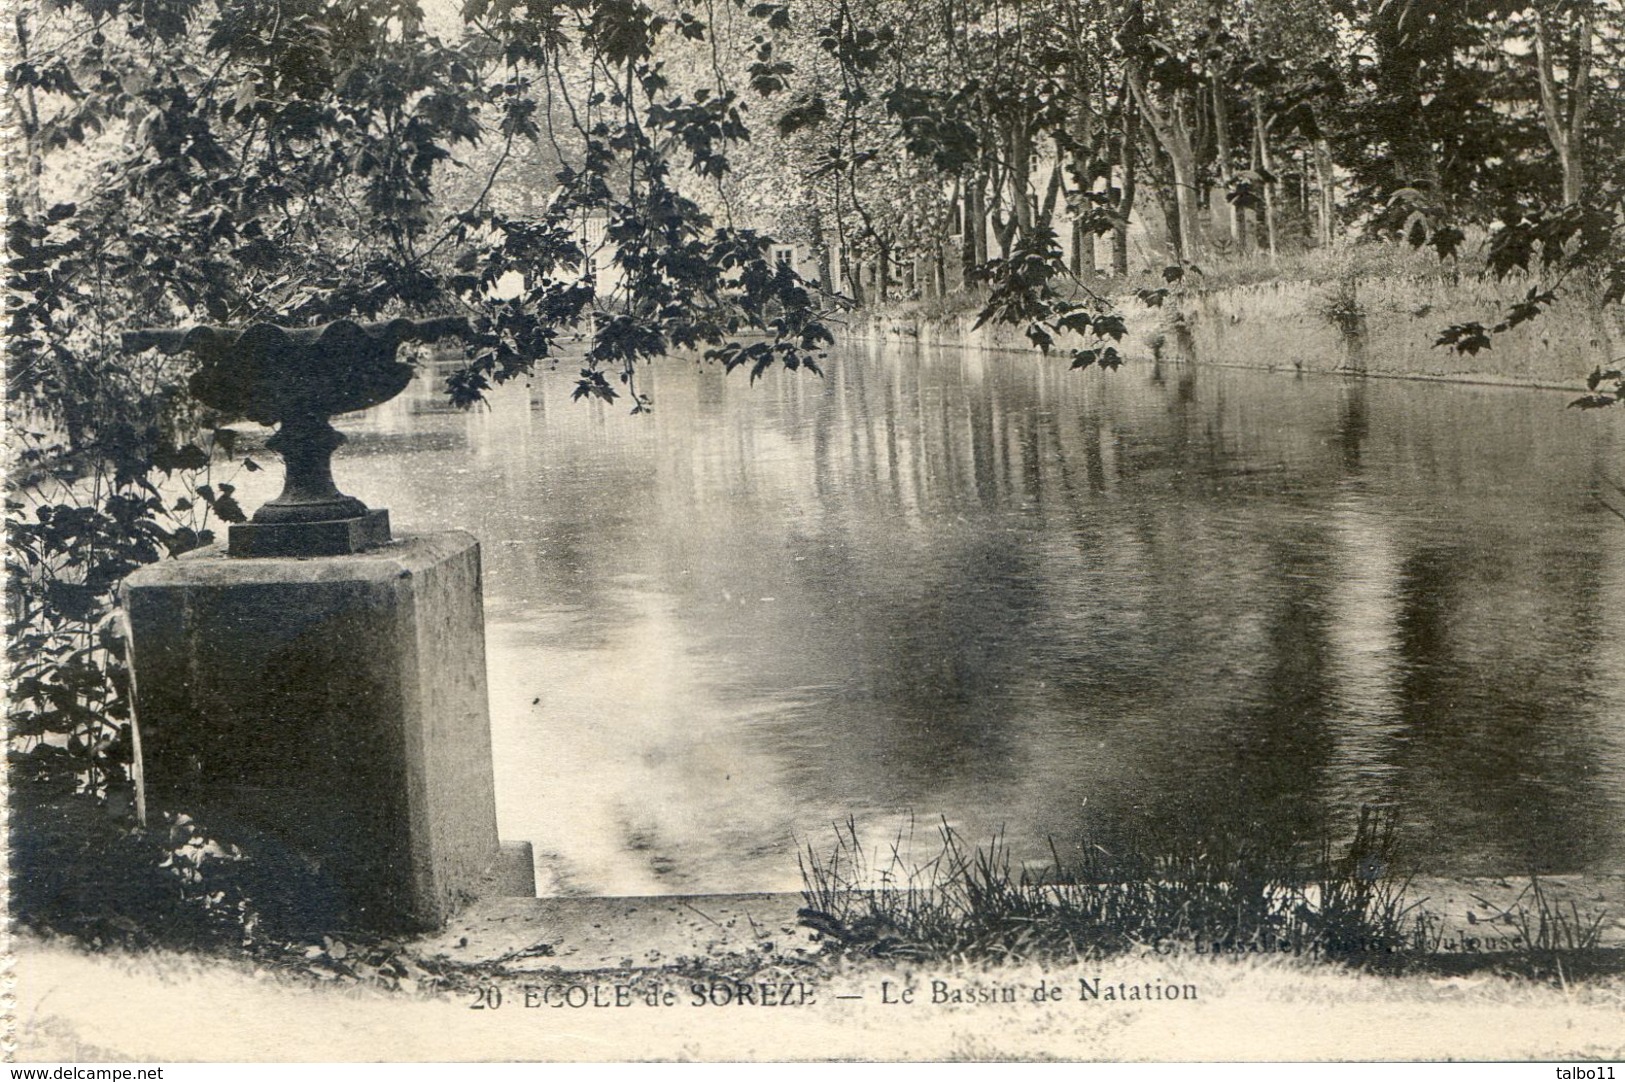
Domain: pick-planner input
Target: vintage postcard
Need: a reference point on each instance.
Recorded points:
(815, 530)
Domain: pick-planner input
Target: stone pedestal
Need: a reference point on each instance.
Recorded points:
(334, 708)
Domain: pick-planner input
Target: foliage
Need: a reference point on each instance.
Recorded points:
(1604, 387)
(1342, 308)
(1022, 292)
(1566, 248)
(98, 486)
(83, 869)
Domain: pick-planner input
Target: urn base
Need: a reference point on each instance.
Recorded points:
(334, 537)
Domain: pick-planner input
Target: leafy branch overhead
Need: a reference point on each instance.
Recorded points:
(540, 172)
(1024, 293)
(1566, 247)
(304, 161)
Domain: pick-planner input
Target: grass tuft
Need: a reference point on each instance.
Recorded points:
(1223, 897)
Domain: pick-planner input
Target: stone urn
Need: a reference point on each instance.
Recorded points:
(298, 379)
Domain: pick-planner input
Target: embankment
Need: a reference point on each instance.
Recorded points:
(1384, 326)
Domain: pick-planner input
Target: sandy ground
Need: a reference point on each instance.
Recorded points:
(73, 1006)
(599, 979)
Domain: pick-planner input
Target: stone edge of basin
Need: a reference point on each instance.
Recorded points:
(619, 932)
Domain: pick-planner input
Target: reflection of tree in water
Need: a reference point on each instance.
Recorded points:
(1353, 425)
(1282, 740)
(1251, 767)
(938, 611)
(944, 664)
(1499, 757)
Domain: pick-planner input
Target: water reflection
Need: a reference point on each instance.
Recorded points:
(980, 587)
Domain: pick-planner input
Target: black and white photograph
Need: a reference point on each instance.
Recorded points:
(814, 531)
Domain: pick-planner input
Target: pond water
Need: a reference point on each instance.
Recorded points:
(976, 588)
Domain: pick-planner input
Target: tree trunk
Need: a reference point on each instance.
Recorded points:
(1125, 202)
(826, 280)
(1269, 219)
(1403, 47)
(1233, 217)
(1052, 192)
(1326, 180)
(1001, 225)
(1265, 168)
(1183, 159)
(28, 146)
(1303, 184)
(1167, 203)
(1565, 127)
(1172, 130)
(1021, 157)
(1004, 231)
(972, 223)
(854, 283)
(843, 271)
(978, 225)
